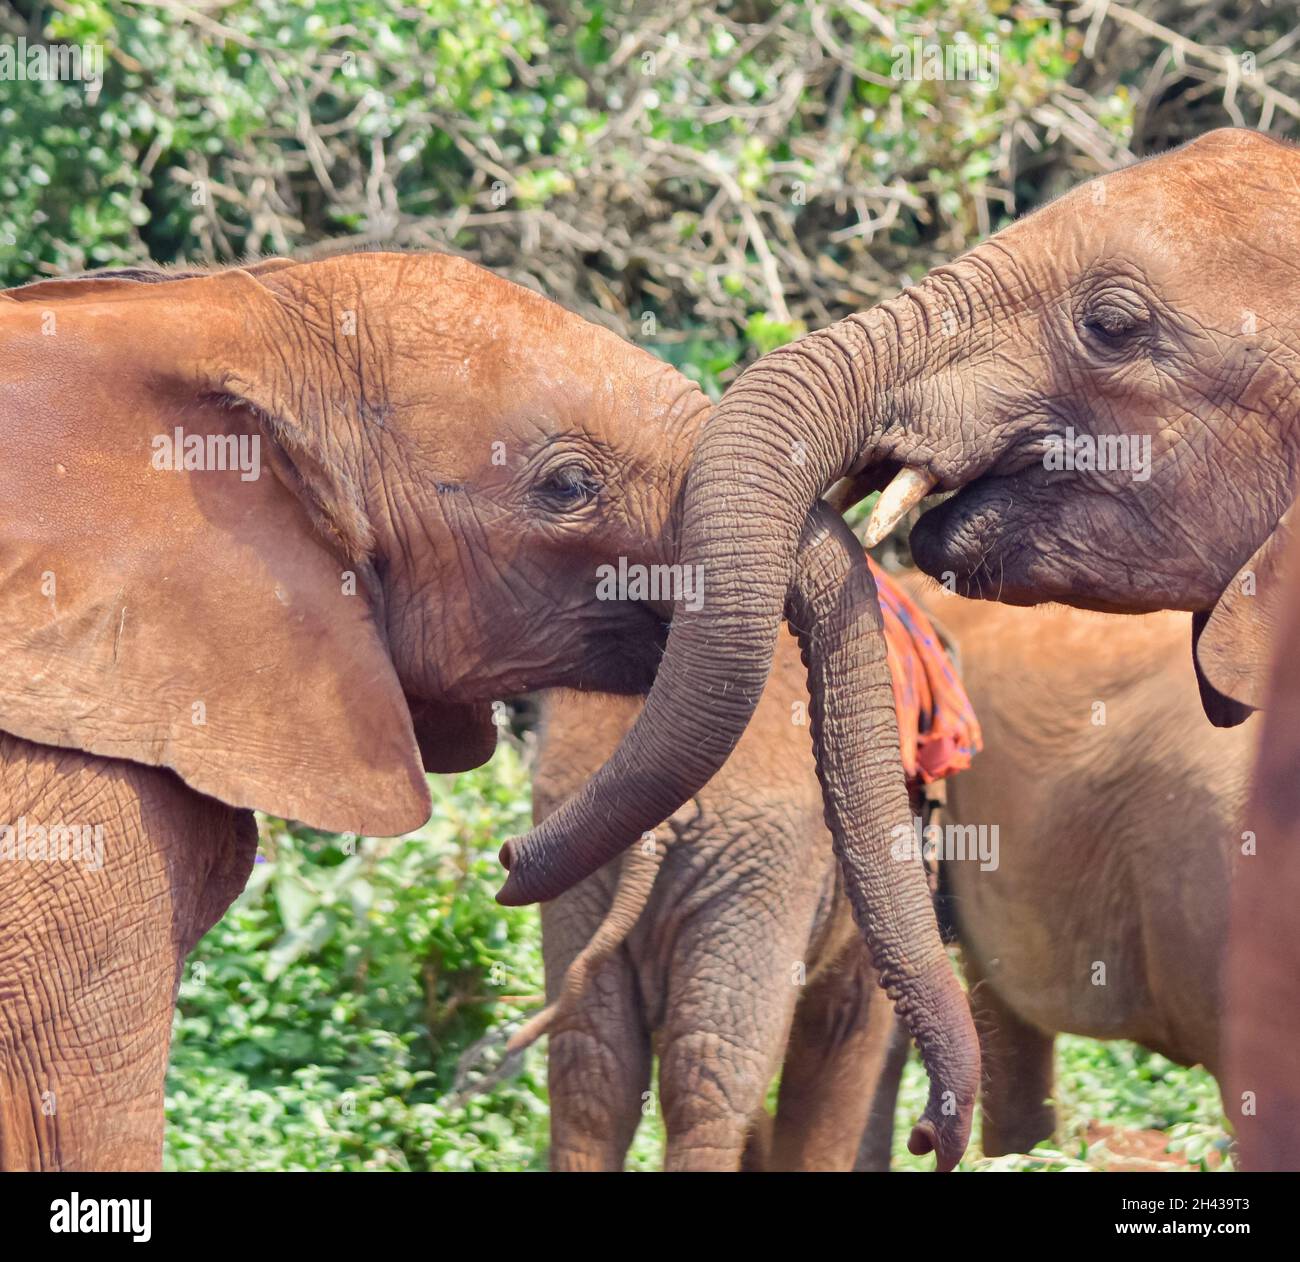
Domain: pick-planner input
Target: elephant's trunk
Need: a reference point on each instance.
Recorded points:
(794, 422)
(834, 611)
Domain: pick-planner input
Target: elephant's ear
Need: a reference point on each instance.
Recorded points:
(1231, 643)
(219, 620)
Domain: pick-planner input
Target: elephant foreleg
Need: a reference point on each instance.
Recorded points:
(837, 1048)
(757, 1157)
(112, 873)
(729, 1015)
(1018, 1073)
(598, 1070)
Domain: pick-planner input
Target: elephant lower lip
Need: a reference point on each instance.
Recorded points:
(960, 539)
(934, 532)
(624, 658)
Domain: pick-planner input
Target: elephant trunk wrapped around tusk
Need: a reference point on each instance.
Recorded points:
(908, 488)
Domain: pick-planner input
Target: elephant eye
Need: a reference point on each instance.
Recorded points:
(1112, 324)
(569, 487)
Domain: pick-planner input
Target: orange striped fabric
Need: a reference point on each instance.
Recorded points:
(938, 731)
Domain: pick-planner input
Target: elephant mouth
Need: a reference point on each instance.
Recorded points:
(977, 539)
(620, 652)
(999, 538)
(962, 542)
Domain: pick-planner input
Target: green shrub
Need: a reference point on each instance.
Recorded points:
(320, 1023)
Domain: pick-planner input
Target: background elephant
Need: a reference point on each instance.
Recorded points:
(181, 644)
(1119, 812)
(724, 941)
(740, 959)
(1112, 398)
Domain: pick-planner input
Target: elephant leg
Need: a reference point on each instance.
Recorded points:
(836, 1050)
(730, 1002)
(757, 1157)
(598, 1053)
(113, 872)
(877, 1148)
(712, 1093)
(1018, 1075)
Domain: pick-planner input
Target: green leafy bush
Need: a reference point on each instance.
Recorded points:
(320, 1023)
(731, 172)
(1129, 1088)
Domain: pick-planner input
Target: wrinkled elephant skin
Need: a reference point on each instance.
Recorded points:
(275, 537)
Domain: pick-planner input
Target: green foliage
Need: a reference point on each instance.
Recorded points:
(320, 1023)
(1123, 1085)
(766, 334)
(740, 169)
(208, 135)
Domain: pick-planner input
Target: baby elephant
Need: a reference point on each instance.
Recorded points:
(1118, 812)
(723, 943)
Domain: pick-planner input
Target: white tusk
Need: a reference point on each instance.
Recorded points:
(908, 488)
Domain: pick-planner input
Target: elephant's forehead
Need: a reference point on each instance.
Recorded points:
(1206, 229)
(1120, 208)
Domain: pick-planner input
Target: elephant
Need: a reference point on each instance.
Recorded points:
(724, 942)
(1120, 818)
(1263, 1027)
(274, 537)
(1106, 387)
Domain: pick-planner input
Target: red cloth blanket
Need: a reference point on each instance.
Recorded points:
(937, 728)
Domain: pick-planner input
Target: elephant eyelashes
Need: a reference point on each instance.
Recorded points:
(1113, 325)
(567, 488)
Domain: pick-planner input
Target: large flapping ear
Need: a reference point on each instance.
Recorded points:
(1231, 643)
(177, 587)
